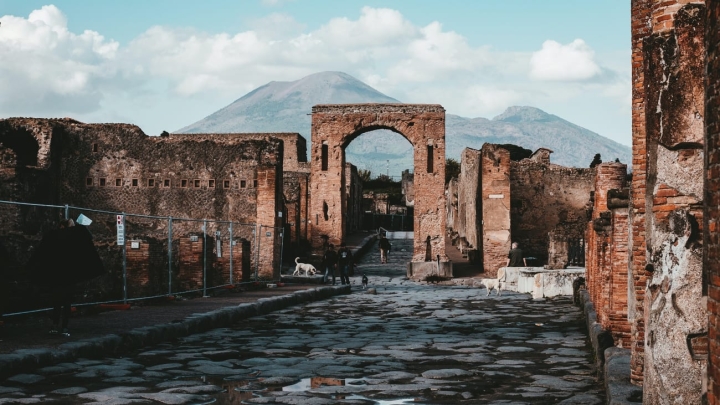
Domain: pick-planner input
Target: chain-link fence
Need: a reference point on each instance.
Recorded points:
(144, 256)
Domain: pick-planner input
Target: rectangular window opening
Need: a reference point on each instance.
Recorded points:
(255, 183)
(118, 182)
(226, 183)
(324, 157)
(95, 147)
(89, 181)
(430, 158)
(211, 183)
(196, 183)
(102, 181)
(243, 183)
(134, 182)
(166, 183)
(151, 182)
(183, 183)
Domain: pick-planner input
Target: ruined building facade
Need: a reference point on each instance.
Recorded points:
(258, 181)
(672, 278)
(502, 197)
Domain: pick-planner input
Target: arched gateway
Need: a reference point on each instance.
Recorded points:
(334, 126)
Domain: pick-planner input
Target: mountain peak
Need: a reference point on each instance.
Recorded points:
(524, 114)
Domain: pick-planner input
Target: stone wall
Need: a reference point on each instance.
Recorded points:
(469, 203)
(494, 205)
(667, 307)
(117, 168)
(547, 198)
(335, 126)
(676, 317)
(607, 251)
(353, 199)
(408, 188)
(712, 195)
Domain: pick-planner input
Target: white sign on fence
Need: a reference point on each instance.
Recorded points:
(121, 230)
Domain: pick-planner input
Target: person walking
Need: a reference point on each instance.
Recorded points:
(384, 249)
(345, 263)
(330, 261)
(64, 257)
(516, 257)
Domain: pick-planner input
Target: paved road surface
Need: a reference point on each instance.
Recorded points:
(406, 343)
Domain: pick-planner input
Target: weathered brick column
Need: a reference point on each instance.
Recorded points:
(269, 204)
(675, 310)
(495, 207)
(712, 195)
(641, 29)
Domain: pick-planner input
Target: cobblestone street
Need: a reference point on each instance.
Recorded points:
(397, 342)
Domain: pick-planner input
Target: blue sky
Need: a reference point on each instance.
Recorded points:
(164, 64)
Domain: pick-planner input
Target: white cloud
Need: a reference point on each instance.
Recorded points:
(557, 62)
(48, 70)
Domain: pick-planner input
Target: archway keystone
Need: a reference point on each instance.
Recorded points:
(334, 126)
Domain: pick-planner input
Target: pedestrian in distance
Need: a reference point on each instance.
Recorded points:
(345, 263)
(516, 257)
(330, 261)
(385, 247)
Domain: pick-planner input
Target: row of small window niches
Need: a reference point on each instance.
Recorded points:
(167, 183)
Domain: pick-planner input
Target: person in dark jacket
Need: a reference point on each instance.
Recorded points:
(384, 249)
(330, 261)
(64, 257)
(345, 262)
(516, 257)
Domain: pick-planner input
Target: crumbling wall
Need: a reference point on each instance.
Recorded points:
(494, 205)
(674, 307)
(712, 195)
(408, 188)
(353, 199)
(547, 198)
(116, 167)
(606, 253)
(469, 226)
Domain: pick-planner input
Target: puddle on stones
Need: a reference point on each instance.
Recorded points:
(240, 390)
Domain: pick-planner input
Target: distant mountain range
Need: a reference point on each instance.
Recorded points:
(285, 107)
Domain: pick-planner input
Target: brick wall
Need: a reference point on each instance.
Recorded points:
(494, 204)
(712, 195)
(668, 75)
(116, 167)
(640, 29)
(335, 126)
(547, 198)
(469, 226)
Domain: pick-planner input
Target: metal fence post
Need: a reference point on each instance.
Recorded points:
(205, 258)
(258, 238)
(124, 259)
(232, 241)
(282, 245)
(170, 259)
(67, 211)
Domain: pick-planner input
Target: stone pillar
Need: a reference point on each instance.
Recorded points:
(712, 195)
(269, 192)
(675, 308)
(495, 207)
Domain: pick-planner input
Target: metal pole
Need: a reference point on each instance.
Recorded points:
(232, 241)
(257, 246)
(282, 245)
(170, 247)
(67, 211)
(124, 260)
(204, 258)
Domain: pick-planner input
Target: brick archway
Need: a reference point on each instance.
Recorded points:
(334, 126)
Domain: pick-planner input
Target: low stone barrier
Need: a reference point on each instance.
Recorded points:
(26, 360)
(613, 363)
(538, 281)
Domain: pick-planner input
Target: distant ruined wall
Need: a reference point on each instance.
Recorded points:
(667, 201)
(469, 202)
(116, 167)
(547, 198)
(353, 199)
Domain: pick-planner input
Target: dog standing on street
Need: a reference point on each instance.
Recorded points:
(364, 281)
(306, 268)
(491, 283)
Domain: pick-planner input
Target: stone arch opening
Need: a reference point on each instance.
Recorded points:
(423, 125)
(18, 149)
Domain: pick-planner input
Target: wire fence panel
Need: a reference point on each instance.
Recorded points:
(144, 256)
